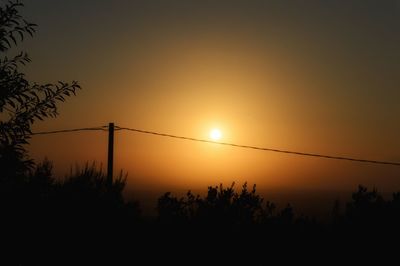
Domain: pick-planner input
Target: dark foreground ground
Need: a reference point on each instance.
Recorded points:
(84, 220)
(109, 241)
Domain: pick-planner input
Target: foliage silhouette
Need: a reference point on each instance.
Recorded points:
(21, 102)
(82, 206)
(223, 208)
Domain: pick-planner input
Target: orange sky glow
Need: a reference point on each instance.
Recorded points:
(300, 83)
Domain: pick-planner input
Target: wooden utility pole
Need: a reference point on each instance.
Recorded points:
(110, 160)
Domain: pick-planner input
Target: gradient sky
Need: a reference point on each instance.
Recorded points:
(312, 76)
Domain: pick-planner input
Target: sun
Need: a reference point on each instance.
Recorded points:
(215, 134)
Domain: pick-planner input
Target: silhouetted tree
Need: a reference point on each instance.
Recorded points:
(171, 209)
(21, 102)
(221, 206)
(248, 206)
(366, 207)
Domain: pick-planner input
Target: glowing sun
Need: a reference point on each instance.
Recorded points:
(215, 134)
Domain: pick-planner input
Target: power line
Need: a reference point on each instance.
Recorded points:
(103, 128)
(261, 148)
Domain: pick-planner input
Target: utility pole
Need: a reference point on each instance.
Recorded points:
(110, 160)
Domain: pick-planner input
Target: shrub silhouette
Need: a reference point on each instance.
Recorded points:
(369, 212)
(82, 206)
(366, 207)
(91, 183)
(221, 207)
(84, 194)
(173, 210)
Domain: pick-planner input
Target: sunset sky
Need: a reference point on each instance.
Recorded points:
(311, 76)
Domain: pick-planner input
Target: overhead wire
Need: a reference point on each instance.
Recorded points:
(299, 153)
(262, 148)
(102, 128)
